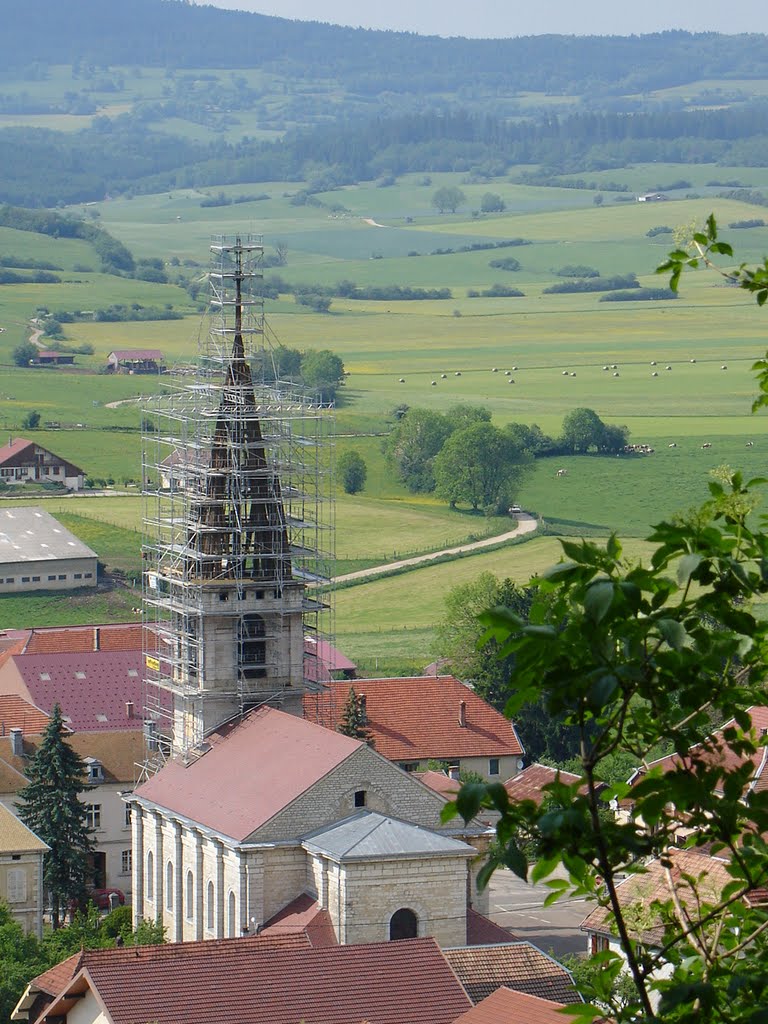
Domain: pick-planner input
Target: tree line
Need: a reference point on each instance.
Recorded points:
(462, 457)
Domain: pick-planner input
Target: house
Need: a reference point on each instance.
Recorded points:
(516, 965)
(271, 808)
(21, 872)
(426, 718)
(530, 783)
(505, 1006)
(135, 360)
(24, 462)
(49, 358)
(652, 197)
(254, 980)
(95, 674)
(38, 553)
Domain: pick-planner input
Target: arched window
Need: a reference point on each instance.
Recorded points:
(190, 896)
(150, 886)
(403, 924)
(252, 647)
(232, 922)
(211, 907)
(169, 886)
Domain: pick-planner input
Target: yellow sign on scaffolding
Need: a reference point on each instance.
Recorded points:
(152, 663)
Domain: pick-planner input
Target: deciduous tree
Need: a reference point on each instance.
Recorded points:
(448, 198)
(352, 471)
(480, 465)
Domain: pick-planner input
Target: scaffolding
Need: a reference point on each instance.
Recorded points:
(238, 522)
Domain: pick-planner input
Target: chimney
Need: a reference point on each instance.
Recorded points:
(129, 709)
(17, 742)
(96, 639)
(463, 714)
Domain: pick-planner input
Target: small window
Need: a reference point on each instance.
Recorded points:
(126, 861)
(493, 766)
(78, 575)
(88, 575)
(9, 579)
(25, 579)
(51, 578)
(127, 818)
(223, 595)
(360, 798)
(169, 886)
(190, 908)
(211, 908)
(93, 816)
(62, 576)
(35, 579)
(17, 885)
(95, 772)
(598, 944)
(404, 924)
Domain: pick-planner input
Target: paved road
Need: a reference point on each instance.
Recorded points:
(519, 907)
(525, 524)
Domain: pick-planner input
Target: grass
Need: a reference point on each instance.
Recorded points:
(47, 608)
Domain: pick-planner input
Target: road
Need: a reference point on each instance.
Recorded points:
(525, 524)
(519, 906)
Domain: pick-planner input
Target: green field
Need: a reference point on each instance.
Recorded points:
(708, 327)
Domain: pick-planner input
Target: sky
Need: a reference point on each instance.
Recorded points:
(503, 18)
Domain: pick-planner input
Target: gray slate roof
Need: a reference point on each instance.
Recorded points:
(28, 534)
(369, 835)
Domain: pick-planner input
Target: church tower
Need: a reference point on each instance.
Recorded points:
(238, 536)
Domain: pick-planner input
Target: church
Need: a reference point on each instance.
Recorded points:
(248, 815)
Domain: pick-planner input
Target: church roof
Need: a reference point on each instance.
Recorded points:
(248, 772)
(420, 718)
(369, 835)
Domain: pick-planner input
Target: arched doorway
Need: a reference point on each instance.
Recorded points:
(404, 924)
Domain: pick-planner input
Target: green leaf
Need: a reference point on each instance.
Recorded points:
(673, 632)
(598, 600)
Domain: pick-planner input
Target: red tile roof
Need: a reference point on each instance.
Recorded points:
(481, 931)
(518, 965)
(251, 771)
(61, 639)
(640, 891)
(322, 658)
(529, 783)
(714, 751)
(15, 446)
(507, 1007)
(304, 915)
(439, 782)
(16, 713)
(418, 718)
(259, 981)
(92, 688)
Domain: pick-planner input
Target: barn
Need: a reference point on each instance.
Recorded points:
(38, 553)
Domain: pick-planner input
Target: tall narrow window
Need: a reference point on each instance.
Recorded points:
(150, 880)
(252, 647)
(190, 896)
(232, 922)
(210, 906)
(169, 886)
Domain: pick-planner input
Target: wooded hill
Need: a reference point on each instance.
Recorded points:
(176, 34)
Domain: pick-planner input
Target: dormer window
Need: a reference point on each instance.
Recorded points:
(95, 771)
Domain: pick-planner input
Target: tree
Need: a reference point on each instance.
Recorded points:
(637, 657)
(21, 958)
(24, 353)
(413, 445)
(448, 198)
(492, 203)
(31, 421)
(323, 371)
(582, 431)
(598, 198)
(480, 465)
(352, 471)
(354, 721)
(529, 437)
(50, 807)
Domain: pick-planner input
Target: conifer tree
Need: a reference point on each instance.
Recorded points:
(50, 807)
(354, 721)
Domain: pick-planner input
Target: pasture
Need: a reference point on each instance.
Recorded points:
(546, 338)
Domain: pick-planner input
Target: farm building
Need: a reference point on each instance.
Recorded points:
(50, 358)
(38, 553)
(135, 360)
(24, 462)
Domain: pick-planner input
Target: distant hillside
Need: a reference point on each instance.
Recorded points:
(176, 34)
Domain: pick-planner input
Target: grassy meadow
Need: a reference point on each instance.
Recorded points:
(555, 347)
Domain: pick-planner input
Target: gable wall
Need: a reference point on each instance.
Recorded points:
(388, 791)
